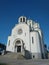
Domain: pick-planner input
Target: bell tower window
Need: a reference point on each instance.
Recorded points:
(20, 19)
(23, 19)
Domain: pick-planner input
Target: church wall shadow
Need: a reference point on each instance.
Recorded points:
(28, 54)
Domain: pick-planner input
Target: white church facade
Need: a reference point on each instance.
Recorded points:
(26, 38)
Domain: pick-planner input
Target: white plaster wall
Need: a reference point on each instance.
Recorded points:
(8, 48)
(41, 39)
(35, 46)
(24, 36)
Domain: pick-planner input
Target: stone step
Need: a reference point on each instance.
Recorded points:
(14, 55)
(20, 56)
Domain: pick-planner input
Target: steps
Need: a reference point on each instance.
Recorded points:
(14, 56)
(20, 56)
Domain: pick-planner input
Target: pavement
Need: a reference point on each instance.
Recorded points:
(13, 59)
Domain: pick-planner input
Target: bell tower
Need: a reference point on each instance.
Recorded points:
(22, 19)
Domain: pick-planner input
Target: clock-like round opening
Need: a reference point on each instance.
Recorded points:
(20, 31)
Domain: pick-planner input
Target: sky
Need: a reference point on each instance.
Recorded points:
(11, 10)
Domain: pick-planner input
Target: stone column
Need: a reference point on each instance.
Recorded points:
(21, 47)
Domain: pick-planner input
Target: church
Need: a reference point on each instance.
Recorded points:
(26, 38)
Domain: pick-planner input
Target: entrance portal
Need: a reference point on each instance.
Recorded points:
(18, 48)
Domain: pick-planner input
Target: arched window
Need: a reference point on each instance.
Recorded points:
(20, 19)
(23, 19)
(32, 40)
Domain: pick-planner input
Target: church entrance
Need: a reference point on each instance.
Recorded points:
(18, 48)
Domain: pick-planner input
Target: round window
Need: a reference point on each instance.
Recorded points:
(20, 31)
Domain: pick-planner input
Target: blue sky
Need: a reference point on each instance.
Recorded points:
(10, 10)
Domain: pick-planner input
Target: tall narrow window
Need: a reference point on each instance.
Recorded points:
(32, 40)
(23, 19)
(33, 56)
(20, 19)
(9, 43)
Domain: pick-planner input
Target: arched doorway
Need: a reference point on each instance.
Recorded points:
(19, 46)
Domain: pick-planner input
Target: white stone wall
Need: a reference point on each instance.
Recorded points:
(24, 36)
(35, 46)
